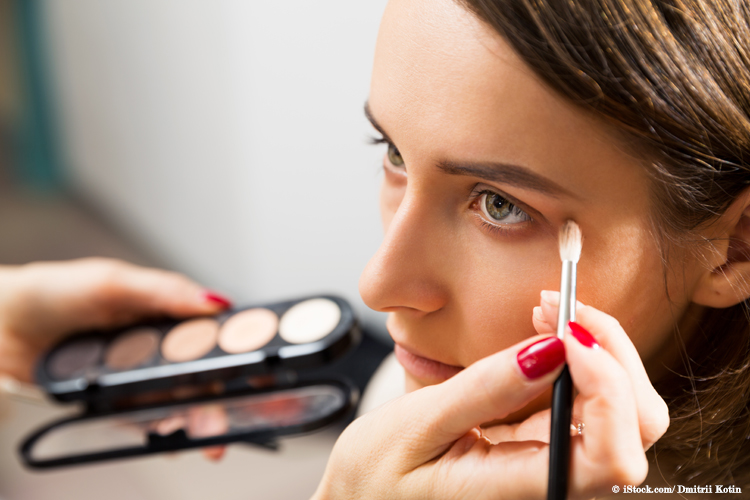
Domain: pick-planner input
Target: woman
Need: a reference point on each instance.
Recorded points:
(503, 119)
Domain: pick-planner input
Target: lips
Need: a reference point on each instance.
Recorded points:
(425, 369)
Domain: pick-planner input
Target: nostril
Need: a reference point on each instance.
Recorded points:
(388, 286)
(408, 271)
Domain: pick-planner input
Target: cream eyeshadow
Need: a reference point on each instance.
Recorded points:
(309, 321)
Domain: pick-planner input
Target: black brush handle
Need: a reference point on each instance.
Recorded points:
(559, 441)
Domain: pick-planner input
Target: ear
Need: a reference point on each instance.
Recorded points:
(727, 281)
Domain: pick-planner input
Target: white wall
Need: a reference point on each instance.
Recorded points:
(228, 135)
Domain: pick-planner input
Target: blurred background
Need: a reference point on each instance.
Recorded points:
(223, 139)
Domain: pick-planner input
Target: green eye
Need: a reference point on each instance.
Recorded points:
(394, 156)
(497, 207)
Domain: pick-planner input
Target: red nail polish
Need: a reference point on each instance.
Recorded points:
(218, 299)
(541, 357)
(582, 335)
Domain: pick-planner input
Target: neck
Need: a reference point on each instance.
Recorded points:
(672, 350)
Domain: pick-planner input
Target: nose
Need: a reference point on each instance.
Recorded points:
(409, 272)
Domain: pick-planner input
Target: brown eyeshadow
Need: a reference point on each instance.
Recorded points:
(132, 348)
(248, 330)
(73, 359)
(190, 340)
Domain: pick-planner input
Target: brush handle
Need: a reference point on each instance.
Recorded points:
(559, 443)
(562, 394)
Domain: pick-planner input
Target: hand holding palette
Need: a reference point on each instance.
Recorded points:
(148, 387)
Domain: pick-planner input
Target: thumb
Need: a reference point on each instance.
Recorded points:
(128, 291)
(57, 297)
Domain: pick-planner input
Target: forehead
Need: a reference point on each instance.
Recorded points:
(444, 84)
(436, 63)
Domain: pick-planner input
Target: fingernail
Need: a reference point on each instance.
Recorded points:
(538, 314)
(216, 298)
(541, 357)
(550, 297)
(582, 335)
(214, 453)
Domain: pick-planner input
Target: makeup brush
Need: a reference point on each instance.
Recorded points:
(562, 392)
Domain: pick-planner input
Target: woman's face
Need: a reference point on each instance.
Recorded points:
(484, 165)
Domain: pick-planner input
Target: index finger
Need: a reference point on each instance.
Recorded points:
(489, 389)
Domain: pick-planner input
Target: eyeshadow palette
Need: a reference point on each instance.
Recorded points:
(253, 374)
(252, 341)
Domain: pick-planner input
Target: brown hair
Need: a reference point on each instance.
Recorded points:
(674, 76)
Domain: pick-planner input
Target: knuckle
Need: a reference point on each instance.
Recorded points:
(108, 276)
(585, 311)
(99, 263)
(104, 270)
(176, 281)
(657, 423)
(628, 469)
(662, 416)
(610, 323)
(485, 384)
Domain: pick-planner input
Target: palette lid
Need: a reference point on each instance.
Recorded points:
(258, 417)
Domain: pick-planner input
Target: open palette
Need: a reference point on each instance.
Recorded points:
(145, 386)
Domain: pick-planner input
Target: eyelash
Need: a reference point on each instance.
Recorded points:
(476, 194)
(378, 140)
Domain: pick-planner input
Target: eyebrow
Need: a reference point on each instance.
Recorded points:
(512, 175)
(505, 173)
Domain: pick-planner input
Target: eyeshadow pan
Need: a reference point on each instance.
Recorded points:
(309, 321)
(132, 348)
(248, 330)
(74, 358)
(190, 340)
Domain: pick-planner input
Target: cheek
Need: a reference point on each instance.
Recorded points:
(498, 288)
(622, 274)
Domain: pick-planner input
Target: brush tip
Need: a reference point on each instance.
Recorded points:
(571, 241)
